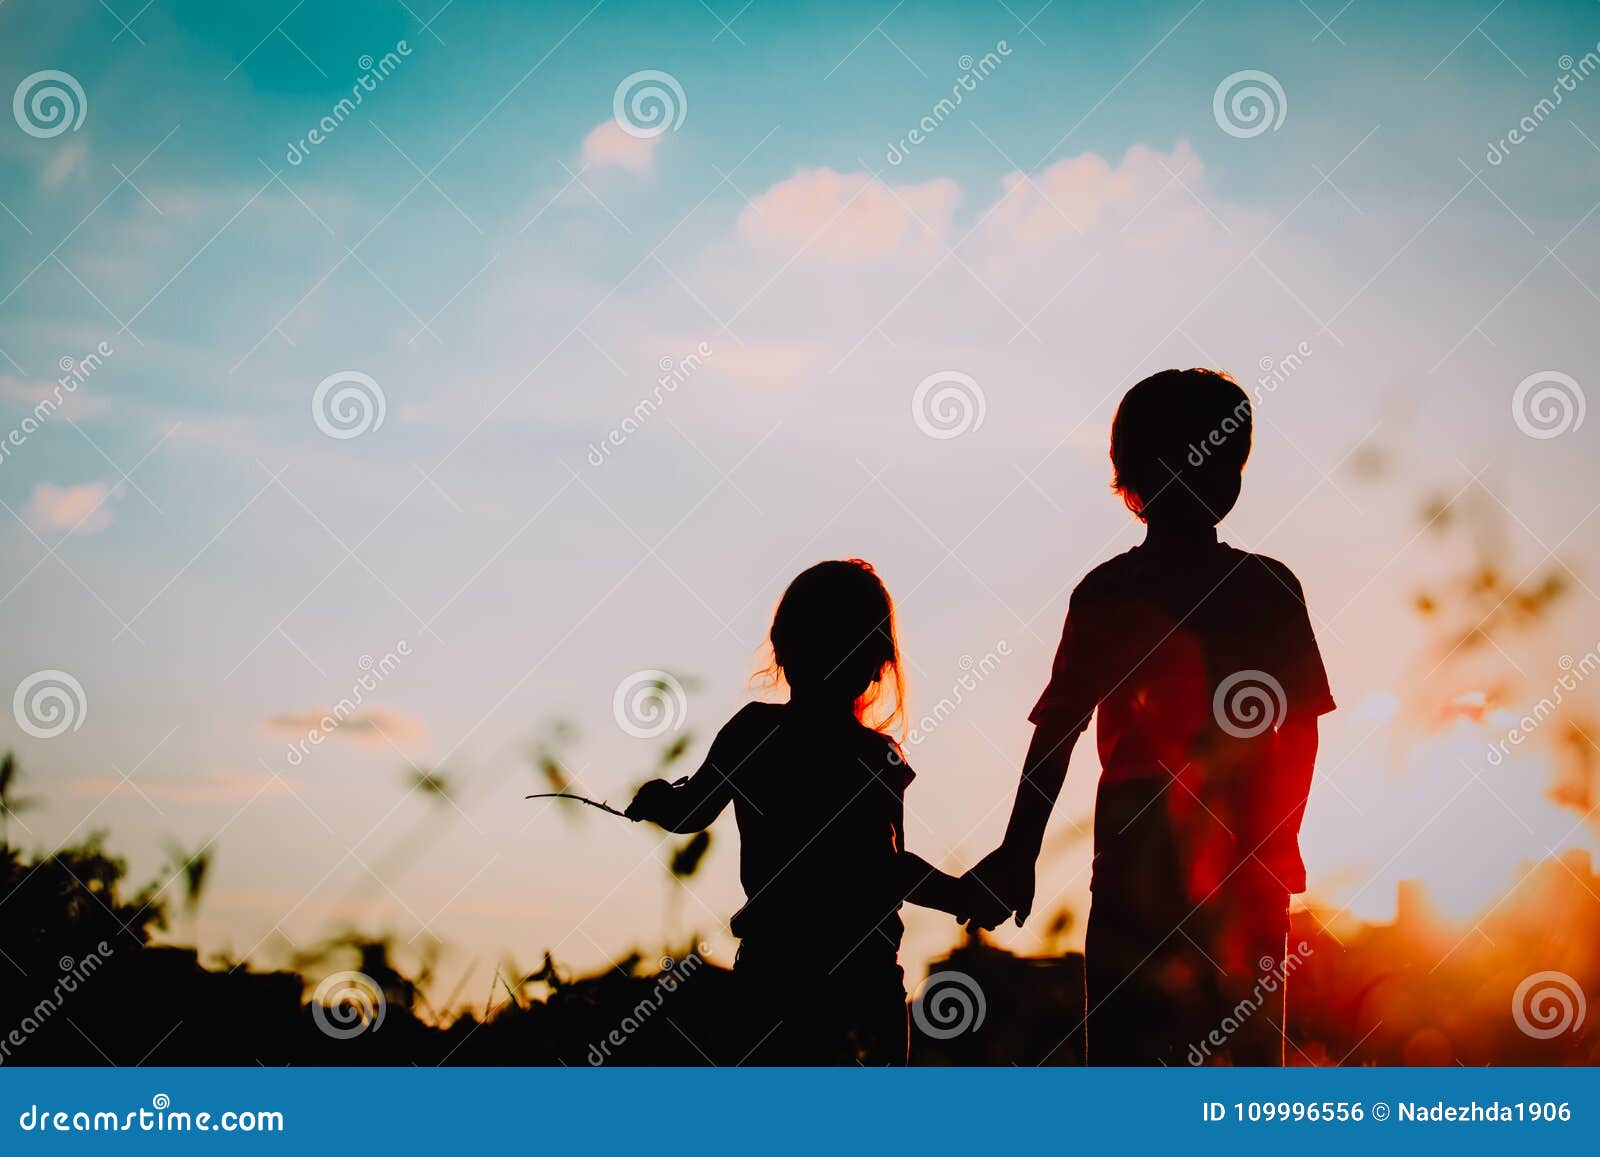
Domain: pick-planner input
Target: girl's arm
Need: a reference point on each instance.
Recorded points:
(693, 803)
(928, 887)
(919, 881)
(688, 805)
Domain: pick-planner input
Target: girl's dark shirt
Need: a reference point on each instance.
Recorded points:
(820, 804)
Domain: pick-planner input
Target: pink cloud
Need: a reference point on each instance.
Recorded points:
(772, 364)
(607, 146)
(83, 509)
(1080, 194)
(849, 217)
(211, 787)
(31, 392)
(370, 726)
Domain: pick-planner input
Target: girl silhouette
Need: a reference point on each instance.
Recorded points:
(818, 790)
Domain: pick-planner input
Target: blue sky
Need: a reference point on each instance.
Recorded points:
(483, 241)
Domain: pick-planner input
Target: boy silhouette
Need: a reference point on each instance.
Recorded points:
(1201, 662)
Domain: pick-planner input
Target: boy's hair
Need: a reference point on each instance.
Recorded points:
(1179, 444)
(834, 632)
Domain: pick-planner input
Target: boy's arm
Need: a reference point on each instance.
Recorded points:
(1296, 759)
(1305, 682)
(1044, 769)
(1002, 882)
(1005, 877)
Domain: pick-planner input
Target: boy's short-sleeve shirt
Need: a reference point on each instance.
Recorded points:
(1192, 654)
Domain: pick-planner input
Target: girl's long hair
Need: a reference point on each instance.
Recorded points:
(835, 626)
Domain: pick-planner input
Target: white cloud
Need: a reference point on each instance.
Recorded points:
(64, 161)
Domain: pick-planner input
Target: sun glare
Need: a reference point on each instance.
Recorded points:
(1467, 831)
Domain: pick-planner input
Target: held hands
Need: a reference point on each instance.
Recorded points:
(998, 886)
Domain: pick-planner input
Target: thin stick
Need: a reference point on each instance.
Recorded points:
(601, 804)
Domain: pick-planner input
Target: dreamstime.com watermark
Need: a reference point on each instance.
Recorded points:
(1574, 672)
(673, 973)
(348, 404)
(1274, 974)
(1274, 373)
(948, 1003)
(1249, 703)
(648, 103)
(650, 703)
(1573, 72)
(674, 373)
(73, 973)
(1547, 1004)
(347, 1004)
(948, 404)
(373, 672)
(49, 703)
(973, 672)
(1248, 103)
(49, 103)
(973, 72)
(160, 1117)
(74, 372)
(1548, 404)
(373, 73)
